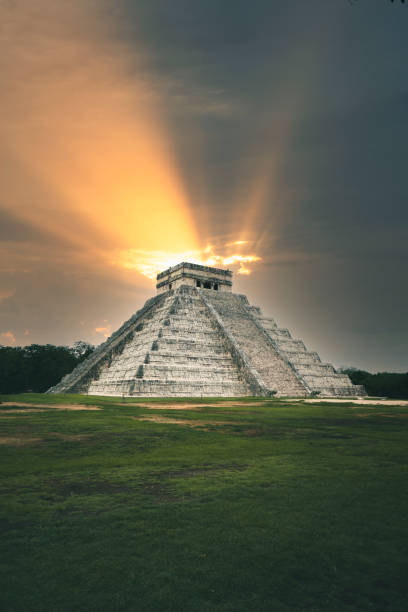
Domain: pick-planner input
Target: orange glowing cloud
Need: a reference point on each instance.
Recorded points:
(88, 157)
(150, 263)
(7, 337)
(104, 330)
(237, 243)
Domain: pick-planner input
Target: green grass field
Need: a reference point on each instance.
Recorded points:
(247, 505)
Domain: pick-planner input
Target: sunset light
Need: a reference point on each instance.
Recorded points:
(101, 173)
(89, 134)
(150, 263)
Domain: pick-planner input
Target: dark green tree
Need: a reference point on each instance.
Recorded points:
(383, 384)
(38, 367)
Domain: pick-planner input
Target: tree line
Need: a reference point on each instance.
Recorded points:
(382, 384)
(38, 367)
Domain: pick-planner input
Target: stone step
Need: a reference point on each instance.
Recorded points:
(188, 314)
(197, 331)
(181, 344)
(190, 339)
(350, 391)
(267, 321)
(156, 388)
(175, 371)
(192, 317)
(189, 332)
(278, 333)
(174, 344)
(308, 357)
(183, 358)
(289, 344)
(319, 382)
(316, 369)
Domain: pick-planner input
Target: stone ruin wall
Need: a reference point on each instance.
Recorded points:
(189, 274)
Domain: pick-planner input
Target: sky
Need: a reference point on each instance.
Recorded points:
(268, 137)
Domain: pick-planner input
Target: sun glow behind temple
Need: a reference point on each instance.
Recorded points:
(150, 263)
(84, 133)
(92, 151)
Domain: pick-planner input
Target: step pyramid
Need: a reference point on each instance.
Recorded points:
(196, 338)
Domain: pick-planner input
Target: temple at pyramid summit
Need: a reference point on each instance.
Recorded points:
(196, 338)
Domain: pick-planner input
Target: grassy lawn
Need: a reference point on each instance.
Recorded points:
(247, 505)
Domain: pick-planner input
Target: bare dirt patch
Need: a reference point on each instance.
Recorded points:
(52, 406)
(166, 406)
(19, 440)
(232, 404)
(170, 421)
(75, 407)
(360, 401)
(22, 439)
(403, 415)
(189, 406)
(7, 412)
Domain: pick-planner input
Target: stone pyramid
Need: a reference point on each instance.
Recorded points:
(196, 338)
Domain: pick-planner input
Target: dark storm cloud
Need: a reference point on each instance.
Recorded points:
(335, 73)
(234, 75)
